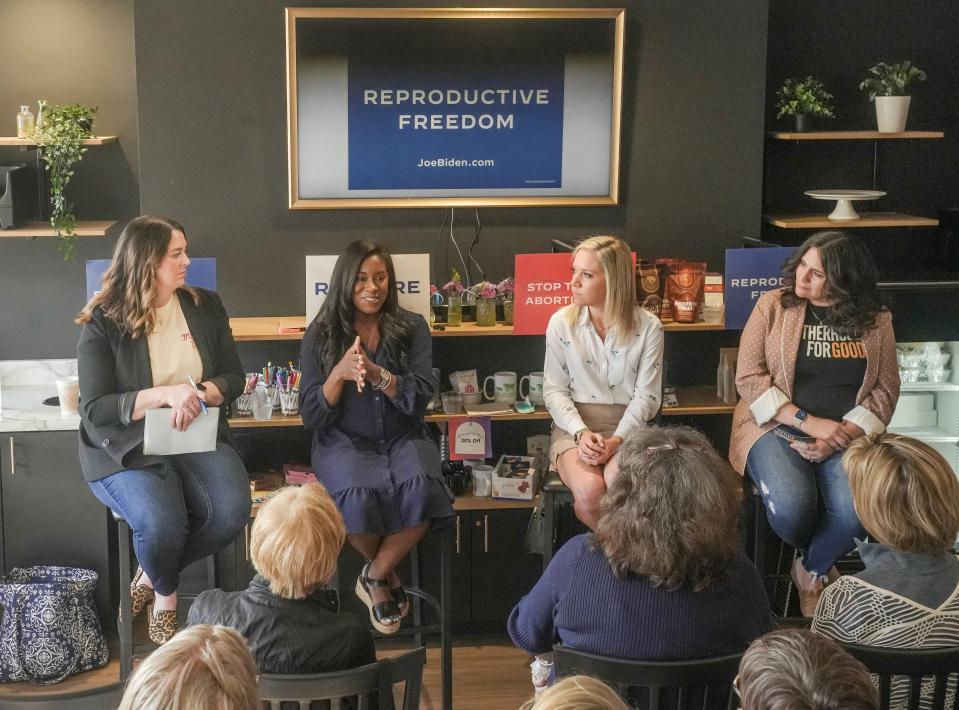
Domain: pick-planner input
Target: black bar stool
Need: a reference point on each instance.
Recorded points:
(553, 493)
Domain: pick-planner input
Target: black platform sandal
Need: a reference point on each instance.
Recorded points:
(385, 616)
(401, 599)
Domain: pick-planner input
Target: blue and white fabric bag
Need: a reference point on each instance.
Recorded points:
(50, 627)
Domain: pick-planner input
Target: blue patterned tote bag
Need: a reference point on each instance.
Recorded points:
(50, 628)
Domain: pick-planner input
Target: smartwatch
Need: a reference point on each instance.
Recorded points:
(800, 417)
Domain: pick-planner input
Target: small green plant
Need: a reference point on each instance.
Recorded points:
(891, 79)
(59, 136)
(804, 97)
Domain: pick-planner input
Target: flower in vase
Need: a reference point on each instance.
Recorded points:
(485, 291)
(453, 287)
(506, 288)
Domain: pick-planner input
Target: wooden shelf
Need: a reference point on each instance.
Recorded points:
(868, 219)
(268, 328)
(698, 400)
(27, 143)
(852, 135)
(96, 228)
(692, 400)
(468, 501)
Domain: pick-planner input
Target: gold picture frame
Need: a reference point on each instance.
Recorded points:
(297, 201)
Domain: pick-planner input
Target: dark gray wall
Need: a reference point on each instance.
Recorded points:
(65, 51)
(213, 147)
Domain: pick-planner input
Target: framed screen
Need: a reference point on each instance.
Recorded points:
(442, 107)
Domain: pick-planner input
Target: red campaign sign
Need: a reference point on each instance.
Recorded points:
(542, 288)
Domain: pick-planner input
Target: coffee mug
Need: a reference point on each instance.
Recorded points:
(534, 381)
(504, 387)
(68, 390)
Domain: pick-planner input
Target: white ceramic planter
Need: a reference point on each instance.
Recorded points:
(891, 113)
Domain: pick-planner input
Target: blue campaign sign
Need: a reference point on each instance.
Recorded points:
(749, 273)
(455, 124)
(201, 273)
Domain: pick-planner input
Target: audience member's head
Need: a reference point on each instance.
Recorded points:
(296, 540)
(671, 513)
(904, 491)
(798, 669)
(204, 666)
(577, 692)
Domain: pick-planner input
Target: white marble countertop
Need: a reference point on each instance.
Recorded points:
(24, 384)
(24, 410)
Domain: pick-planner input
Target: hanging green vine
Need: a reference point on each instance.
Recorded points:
(59, 135)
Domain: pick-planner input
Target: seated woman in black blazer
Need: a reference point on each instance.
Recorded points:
(289, 621)
(144, 336)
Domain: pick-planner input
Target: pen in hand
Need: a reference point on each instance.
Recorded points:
(197, 388)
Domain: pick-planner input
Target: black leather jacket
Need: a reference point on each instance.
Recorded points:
(288, 635)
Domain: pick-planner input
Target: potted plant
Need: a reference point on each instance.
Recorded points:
(485, 294)
(454, 299)
(505, 289)
(59, 134)
(887, 87)
(803, 99)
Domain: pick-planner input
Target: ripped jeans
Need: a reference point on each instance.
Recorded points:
(809, 505)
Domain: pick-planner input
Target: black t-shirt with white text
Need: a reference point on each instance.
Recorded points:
(830, 368)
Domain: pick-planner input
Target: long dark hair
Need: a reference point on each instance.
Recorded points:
(128, 288)
(852, 281)
(335, 332)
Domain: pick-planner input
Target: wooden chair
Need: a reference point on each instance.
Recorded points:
(105, 697)
(702, 684)
(368, 687)
(902, 673)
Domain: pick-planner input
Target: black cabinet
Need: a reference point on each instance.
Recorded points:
(49, 515)
(491, 570)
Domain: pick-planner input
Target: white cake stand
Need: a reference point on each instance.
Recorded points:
(845, 198)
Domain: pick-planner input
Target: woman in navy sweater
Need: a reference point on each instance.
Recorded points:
(661, 578)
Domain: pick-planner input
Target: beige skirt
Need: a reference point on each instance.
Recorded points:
(600, 418)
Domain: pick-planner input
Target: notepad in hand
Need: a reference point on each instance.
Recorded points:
(161, 439)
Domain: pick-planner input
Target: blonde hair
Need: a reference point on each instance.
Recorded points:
(203, 666)
(296, 539)
(615, 258)
(577, 692)
(129, 287)
(905, 492)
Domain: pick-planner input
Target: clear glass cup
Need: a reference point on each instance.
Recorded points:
(454, 310)
(452, 402)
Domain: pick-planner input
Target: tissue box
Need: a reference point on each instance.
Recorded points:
(514, 477)
(924, 418)
(915, 402)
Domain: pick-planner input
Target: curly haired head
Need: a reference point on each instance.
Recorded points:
(672, 512)
(852, 281)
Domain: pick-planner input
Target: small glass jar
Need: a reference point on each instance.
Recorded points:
(24, 122)
(508, 312)
(485, 313)
(454, 310)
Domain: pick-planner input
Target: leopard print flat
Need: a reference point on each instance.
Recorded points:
(163, 626)
(140, 594)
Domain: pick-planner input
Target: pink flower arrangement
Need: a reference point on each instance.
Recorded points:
(454, 286)
(505, 288)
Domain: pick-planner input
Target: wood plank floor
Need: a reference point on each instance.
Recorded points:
(486, 676)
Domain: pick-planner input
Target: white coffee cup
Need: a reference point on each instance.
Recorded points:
(534, 382)
(68, 392)
(504, 387)
(482, 480)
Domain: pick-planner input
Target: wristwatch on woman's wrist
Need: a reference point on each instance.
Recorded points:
(800, 417)
(579, 435)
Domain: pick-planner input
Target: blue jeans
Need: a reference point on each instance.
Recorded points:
(792, 488)
(181, 512)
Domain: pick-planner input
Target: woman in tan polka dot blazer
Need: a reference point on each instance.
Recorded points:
(816, 370)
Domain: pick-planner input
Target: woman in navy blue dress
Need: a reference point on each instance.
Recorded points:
(367, 378)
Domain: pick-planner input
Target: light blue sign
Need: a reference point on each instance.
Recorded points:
(750, 273)
(460, 122)
(201, 273)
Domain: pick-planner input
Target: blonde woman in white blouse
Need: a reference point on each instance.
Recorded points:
(603, 371)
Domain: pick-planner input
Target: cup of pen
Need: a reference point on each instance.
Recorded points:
(289, 401)
(244, 403)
